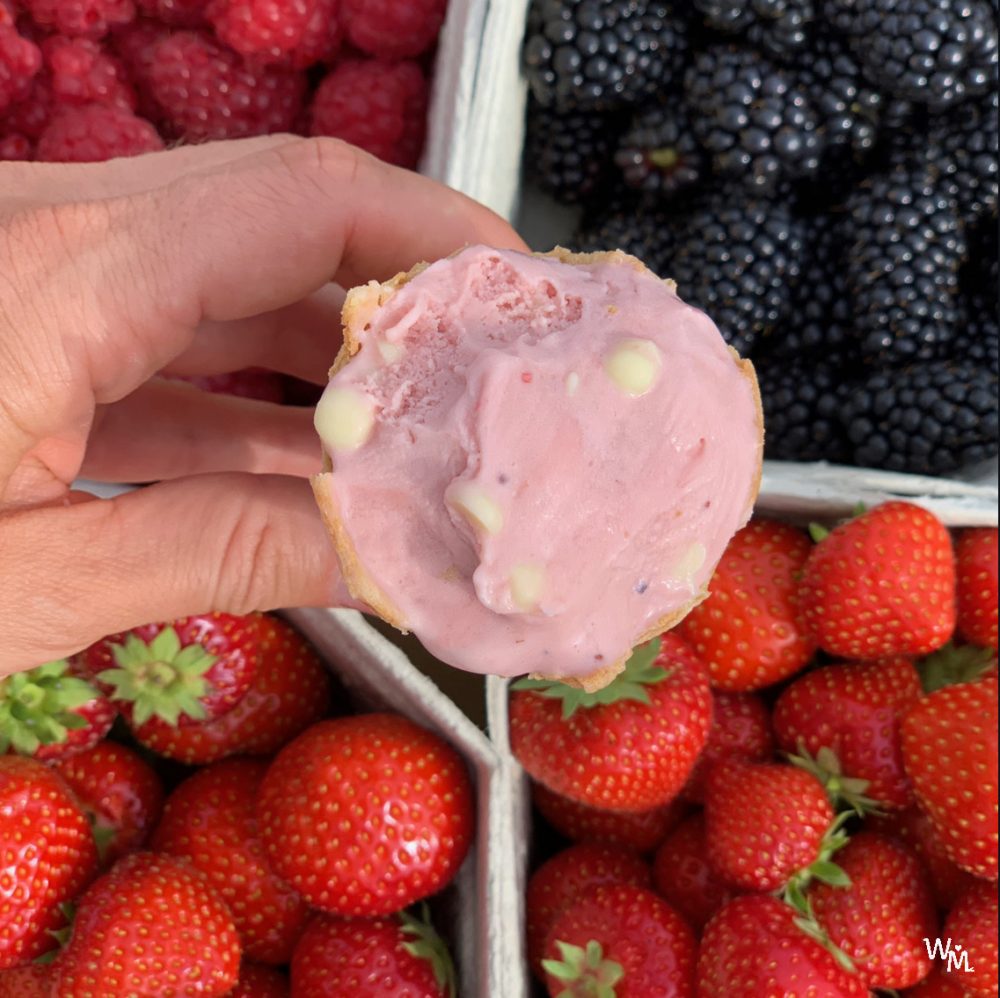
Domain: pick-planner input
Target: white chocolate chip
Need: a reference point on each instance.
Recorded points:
(633, 366)
(477, 507)
(690, 561)
(344, 419)
(526, 584)
(572, 383)
(390, 352)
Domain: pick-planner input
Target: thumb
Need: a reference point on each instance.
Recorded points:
(233, 542)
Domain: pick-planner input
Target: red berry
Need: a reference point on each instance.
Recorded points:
(624, 934)
(940, 984)
(753, 948)
(34, 980)
(94, 133)
(90, 18)
(881, 919)
(881, 584)
(278, 32)
(393, 29)
(207, 92)
(15, 147)
(741, 725)
(853, 710)
(260, 981)
(30, 116)
(370, 958)
(976, 554)
(82, 72)
(134, 45)
(618, 748)
(764, 822)
(748, 632)
(290, 689)
(210, 820)
(399, 798)
(682, 874)
(47, 855)
(972, 925)
(949, 741)
(641, 831)
(566, 877)
(20, 61)
(379, 106)
(119, 792)
(147, 927)
(176, 13)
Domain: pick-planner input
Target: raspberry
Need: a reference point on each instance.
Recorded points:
(83, 73)
(31, 115)
(134, 46)
(15, 147)
(393, 29)
(96, 132)
(20, 60)
(278, 32)
(207, 92)
(176, 13)
(91, 18)
(378, 106)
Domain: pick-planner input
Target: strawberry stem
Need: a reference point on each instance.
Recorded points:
(630, 684)
(585, 970)
(842, 790)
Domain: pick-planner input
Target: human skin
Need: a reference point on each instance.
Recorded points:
(198, 260)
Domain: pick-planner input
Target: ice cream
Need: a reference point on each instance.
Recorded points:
(534, 462)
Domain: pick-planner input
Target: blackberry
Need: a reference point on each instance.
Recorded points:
(930, 418)
(567, 154)
(736, 259)
(820, 326)
(905, 246)
(968, 136)
(601, 54)
(802, 401)
(659, 152)
(754, 118)
(977, 338)
(778, 27)
(633, 223)
(937, 52)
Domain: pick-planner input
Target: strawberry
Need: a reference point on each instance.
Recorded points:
(194, 669)
(210, 821)
(748, 631)
(149, 926)
(741, 725)
(290, 689)
(640, 831)
(627, 747)
(51, 712)
(881, 919)
(764, 822)
(398, 797)
(682, 874)
(119, 792)
(33, 980)
(940, 984)
(47, 855)
(915, 830)
(853, 711)
(260, 981)
(371, 958)
(622, 937)
(881, 584)
(566, 877)
(976, 555)
(949, 741)
(972, 926)
(754, 947)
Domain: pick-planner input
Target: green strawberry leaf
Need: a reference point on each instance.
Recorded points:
(586, 969)
(630, 684)
(842, 790)
(428, 945)
(954, 664)
(818, 532)
(830, 874)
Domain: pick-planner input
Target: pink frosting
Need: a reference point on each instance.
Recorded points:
(622, 504)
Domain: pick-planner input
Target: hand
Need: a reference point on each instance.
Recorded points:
(199, 260)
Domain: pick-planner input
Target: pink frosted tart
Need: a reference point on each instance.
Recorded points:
(534, 462)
